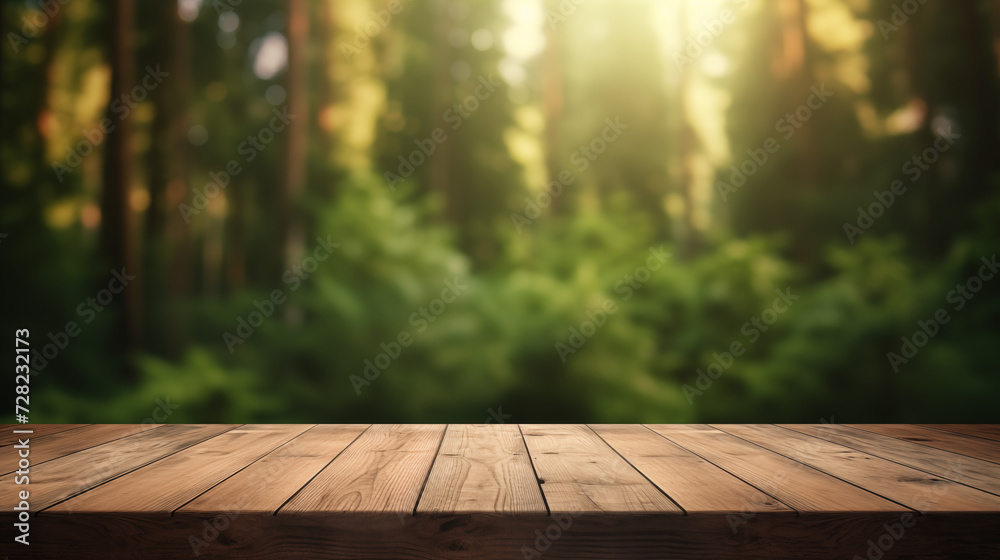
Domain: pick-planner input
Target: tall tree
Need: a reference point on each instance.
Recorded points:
(553, 100)
(118, 234)
(295, 135)
(686, 148)
(180, 249)
(440, 164)
(165, 243)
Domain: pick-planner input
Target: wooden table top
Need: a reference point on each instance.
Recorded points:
(506, 490)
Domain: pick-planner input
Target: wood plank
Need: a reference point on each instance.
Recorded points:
(956, 443)
(695, 484)
(407, 461)
(67, 476)
(915, 489)
(482, 468)
(496, 537)
(795, 484)
(8, 437)
(167, 484)
(383, 471)
(967, 470)
(268, 483)
(70, 441)
(580, 473)
(985, 431)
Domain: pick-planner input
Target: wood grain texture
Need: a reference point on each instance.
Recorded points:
(282, 492)
(695, 484)
(793, 483)
(68, 476)
(167, 484)
(985, 431)
(915, 489)
(383, 471)
(269, 482)
(482, 468)
(63, 443)
(960, 468)
(7, 437)
(580, 473)
(979, 448)
(492, 537)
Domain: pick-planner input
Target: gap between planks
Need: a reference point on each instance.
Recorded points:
(657, 486)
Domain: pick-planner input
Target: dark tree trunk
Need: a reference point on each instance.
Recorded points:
(118, 234)
(295, 134)
(180, 249)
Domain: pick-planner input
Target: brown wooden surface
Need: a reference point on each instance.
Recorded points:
(382, 472)
(578, 472)
(266, 484)
(482, 468)
(7, 437)
(914, 489)
(956, 443)
(795, 484)
(60, 444)
(68, 476)
(977, 430)
(695, 484)
(508, 491)
(171, 482)
(952, 466)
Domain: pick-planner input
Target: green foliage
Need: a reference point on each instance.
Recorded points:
(502, 319)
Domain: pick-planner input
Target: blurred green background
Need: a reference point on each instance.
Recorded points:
(295, 185)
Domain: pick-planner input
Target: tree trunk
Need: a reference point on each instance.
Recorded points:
(180, 249)
(158, 159)
(686, 147)
(440, 164)
(293, 227)
(553, 98)
(118, 234)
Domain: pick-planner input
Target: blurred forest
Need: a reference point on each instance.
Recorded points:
(503, 210)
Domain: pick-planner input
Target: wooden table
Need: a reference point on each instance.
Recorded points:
(506, 491)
